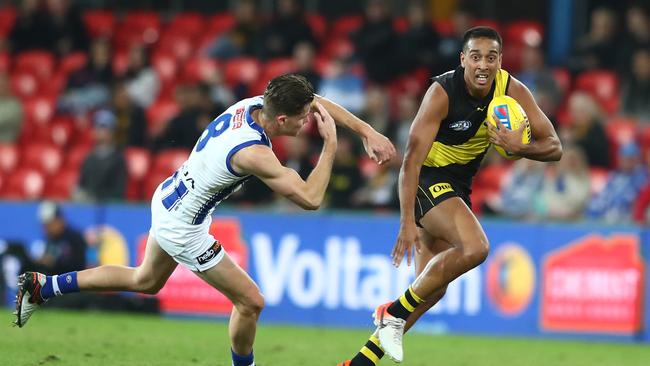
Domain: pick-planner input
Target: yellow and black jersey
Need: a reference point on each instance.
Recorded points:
(462, 139)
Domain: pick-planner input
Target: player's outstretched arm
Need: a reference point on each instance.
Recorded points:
(259, 160)
(546, 145)
(378, 146)
(423, 132)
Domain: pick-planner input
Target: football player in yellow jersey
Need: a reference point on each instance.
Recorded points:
(448, 139)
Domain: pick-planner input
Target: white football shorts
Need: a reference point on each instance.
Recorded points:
(190, 245)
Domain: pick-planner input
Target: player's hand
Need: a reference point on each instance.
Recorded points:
(407, 238)
(325, 123)
(509, 140)
(378, 147)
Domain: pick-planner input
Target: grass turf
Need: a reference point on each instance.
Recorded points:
(59, 338)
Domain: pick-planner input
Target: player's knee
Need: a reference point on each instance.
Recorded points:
(476, 253)
(253, 305)
(147, 284)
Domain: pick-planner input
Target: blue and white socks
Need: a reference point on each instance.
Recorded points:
(58, 285)
(238, 360)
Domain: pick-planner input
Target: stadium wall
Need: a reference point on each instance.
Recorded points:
(579, 280)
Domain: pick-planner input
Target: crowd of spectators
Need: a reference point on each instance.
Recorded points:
(130, 95)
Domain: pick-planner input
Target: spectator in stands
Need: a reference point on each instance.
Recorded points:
(131, 123)
(637, 36)
(243, 39)
(586, 129)
(286, 30)
(565, 191)
(142, 82)
(614, 203)
(89, 88)
(220, 93)
(636, 93)
(304, 58)
(377, 109)
(641, 206)
(450, 46)
(70, 32)
(346, 177)
(299, 156)
(103, 172)
(33, 29)
(379, 189)
(377, 44)
(65, 246)
(343, 87)
(407, 108)
(517, 196)
(536, 75)
(598, 49)
(420, 42)
(11, 112)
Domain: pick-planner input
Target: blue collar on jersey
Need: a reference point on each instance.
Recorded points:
(255, 126)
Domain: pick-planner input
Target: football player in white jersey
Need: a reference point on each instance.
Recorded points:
(234, 147)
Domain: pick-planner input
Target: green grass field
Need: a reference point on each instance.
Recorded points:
(58, 338)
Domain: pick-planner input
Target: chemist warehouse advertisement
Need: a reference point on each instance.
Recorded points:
(333, 269)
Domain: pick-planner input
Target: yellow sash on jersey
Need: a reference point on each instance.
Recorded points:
(443, 155)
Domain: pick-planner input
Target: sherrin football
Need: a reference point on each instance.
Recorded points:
(511, 115)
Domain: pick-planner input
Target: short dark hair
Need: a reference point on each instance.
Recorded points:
(482, 32)
(287, 94)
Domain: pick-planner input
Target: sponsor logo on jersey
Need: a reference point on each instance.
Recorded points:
(440, 188)
(461, 125)
(238, 119)
(209, 254)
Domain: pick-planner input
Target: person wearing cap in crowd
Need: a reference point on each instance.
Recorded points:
(65, 246)
(614, 203)
(103, 172)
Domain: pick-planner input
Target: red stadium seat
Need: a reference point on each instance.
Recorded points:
(159, 113)
(165, 66)
(62, 186)
(40, 63)
(199, 69)
(444, 26)
(61, 131)
(120, 62)
(601, 84)
(343, 26)
(76, 156)
(400, 24)
(73, 62)
(486, 23)
(178, 43)
(219, 23)
(151, 182)
(4, 63)
(24, 84)
(192, 24)
(38, 111)
(24, 183)
(47, 158)
(524, 33)
(7, 19)
(563, 79)
(337, 48)
(644, 140)
(8, 158)
(244, 70)
(143, 21)
(512, 57)
(99, 23)
(318, 25)
(167, 161)
(138, 161)
(278, 66)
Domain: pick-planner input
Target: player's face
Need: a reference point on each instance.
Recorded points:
(291, 125)
(481, 60)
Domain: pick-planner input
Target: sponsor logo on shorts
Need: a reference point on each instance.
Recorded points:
(440, 188)
(461, 125)
(209, 254)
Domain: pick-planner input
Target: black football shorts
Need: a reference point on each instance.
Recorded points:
(436, 186)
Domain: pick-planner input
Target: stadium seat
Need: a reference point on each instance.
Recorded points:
(563, 79)
(38, 111)
(277, 66)
(601, 84)
(619, 131)
(61, 131)
(318, 25)
(165, 66)
(151, 182)
(486, 23)
(76, 156)
(138, 161)
(73, 62)
(7, 19)
(120, 62)
(40, 63)
(47, 158)
(4, 63)
(24, 183)
(218, 23)
(199, 69)
(192, 24)
(24, 84)
(62, 186)
(444, 26)
(400, 24)
(159, 113)
(644, 141)
(178, 43)
(145, 22)
(524, 33)
(340, 47)
(243, 70)
(512, 57)
(345, 25)
(167, 161)
(99, 23)
(8, 157)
